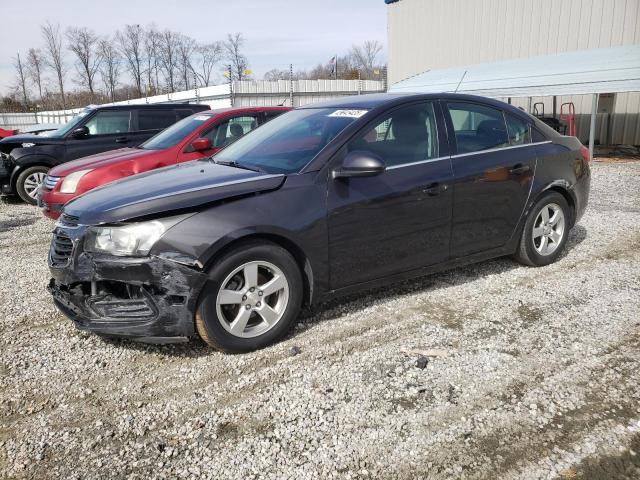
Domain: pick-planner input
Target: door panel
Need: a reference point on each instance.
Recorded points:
(493, 178)
(401, 219)
(108, 130)
(387, 224)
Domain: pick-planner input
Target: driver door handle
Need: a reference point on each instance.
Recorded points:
(435, 189)
(122, 139)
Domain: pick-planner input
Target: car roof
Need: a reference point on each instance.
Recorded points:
(375, 100)
(218, 111)
(155, 106)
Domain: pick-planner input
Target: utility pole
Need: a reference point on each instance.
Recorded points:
(230, 85)
(291, 85)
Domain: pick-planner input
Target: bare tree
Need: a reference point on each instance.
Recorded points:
(365, 57)
(208, 56)
(233, 50)
(130, 42)
(110, 66)
(186, 48)
(84, 45)
(21, 79)
(169, 57)
(152, 52)
(53, 49)
(35, 66)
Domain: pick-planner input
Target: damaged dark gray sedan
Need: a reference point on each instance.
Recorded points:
(325, 200)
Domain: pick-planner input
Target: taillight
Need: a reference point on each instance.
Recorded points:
(584, 151)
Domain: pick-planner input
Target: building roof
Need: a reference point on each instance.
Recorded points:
(603, 70)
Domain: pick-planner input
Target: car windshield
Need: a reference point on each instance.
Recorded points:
(290, 141)
(172, 135)
(70, 125)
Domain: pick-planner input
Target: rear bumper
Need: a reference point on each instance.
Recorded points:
(148, 299)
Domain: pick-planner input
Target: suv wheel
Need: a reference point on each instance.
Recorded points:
(29, 182)
(545, 231)
(252, 299)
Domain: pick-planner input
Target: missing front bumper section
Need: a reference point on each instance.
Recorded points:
(146, 299)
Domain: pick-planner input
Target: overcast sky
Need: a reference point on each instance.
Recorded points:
(277, 32)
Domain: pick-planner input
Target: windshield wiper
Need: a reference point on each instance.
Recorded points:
(233, 163)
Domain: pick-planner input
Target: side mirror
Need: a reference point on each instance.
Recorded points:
(80, 132)
(201, 144)
(360, 164)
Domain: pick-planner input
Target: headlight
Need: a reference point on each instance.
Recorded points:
(134, 239)
(70, 182)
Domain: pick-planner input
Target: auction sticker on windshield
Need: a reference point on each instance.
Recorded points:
(201, 118)
(348, 113)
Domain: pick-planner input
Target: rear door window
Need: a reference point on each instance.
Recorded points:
(155, 119)
(107, 122)
(477, 127)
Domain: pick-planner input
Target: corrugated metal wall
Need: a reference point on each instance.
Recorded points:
(433, 34)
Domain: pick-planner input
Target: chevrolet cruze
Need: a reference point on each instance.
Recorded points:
(323, 200)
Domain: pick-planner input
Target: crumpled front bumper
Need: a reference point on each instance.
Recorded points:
(148, 298)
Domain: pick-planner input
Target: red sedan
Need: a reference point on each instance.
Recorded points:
(198, 136)
(7, 133)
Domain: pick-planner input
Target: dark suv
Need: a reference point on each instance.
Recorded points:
(26, 159)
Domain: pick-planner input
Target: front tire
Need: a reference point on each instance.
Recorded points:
(29, 181)
(545, 232)
(252, 298)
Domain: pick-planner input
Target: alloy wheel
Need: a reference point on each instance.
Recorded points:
(252, 299)
(33, 182)
(548, 229)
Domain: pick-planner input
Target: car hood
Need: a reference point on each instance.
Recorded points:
(100, 160)
(36, 139)
(178, 187)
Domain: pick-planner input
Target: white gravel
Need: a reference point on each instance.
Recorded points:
(526, 373)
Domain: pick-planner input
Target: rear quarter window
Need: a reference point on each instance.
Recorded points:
(155, 119)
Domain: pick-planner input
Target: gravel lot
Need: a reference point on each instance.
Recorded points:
(489, 371)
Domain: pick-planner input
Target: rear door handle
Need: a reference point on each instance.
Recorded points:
(519, 169)
(435, 189)
(122, 139)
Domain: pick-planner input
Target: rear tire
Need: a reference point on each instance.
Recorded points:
(29, 181)
(252, 298)
(545, 232)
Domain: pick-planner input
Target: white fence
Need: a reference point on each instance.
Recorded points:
(247, 93)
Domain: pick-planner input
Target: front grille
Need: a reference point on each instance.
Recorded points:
(61, 249)
(50, 182)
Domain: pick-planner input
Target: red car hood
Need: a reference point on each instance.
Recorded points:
(100, 160)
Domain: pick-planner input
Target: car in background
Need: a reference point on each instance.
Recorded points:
(200, 135)
(325, 200)
(26, 159)
(4, 133)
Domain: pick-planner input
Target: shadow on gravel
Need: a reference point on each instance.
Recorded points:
(577, 235)
(17, 222)
(335, 309)
(11, 200)
(624, 466)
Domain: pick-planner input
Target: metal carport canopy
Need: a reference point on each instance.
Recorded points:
(603, 70)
